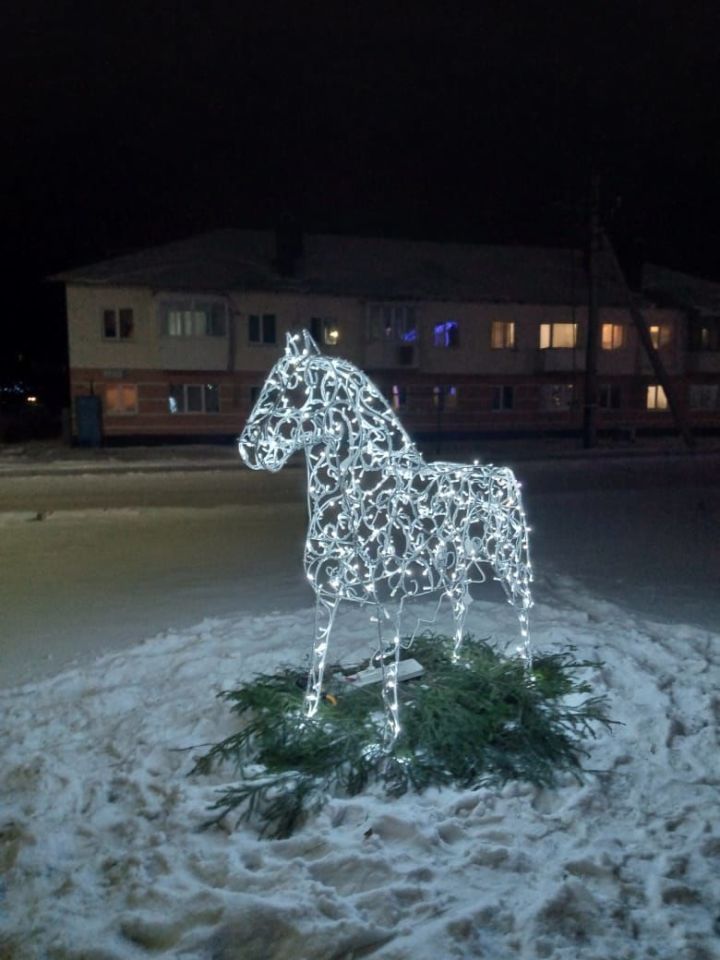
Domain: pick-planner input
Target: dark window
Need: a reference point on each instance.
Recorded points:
(392, 321)
(704, 396)
(398, 397)
(446, 334)
(445, 397)
(118, 324)
(194, 398)
(609, 396)
(503, 397)
(126, 323)
(261, 328)
(324, 330)
(704, 333)
(556, 396)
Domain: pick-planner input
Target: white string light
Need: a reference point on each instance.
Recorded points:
(385, 526)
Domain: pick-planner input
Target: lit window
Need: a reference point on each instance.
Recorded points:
(502, 335)
(446, 334)
(445, 397)
(612, 336)
(660, 335)
(262, 328)
(193, 318)
(392, 321)
(656, 398)
(118, 324)
(503, 397)
(398, 397)
(556, 396)
(704, 396)
(194, 398)
(121, 398)
(558, 336)
(324, 330)
(609, 396)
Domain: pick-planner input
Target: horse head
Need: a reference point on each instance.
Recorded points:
(286, 416)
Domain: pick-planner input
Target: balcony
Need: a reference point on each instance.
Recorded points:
(389, 354)
(702, 361)
(560, 360)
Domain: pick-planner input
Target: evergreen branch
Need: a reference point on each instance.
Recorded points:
(479, 722)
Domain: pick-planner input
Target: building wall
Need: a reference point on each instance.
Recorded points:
(465, 386)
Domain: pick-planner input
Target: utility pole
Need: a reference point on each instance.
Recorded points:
(593, 325)
(632, 304)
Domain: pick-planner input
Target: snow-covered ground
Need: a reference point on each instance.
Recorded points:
(100, 856)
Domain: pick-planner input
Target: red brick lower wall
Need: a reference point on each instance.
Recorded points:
(472, 413)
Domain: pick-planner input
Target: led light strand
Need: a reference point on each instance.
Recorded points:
(385, 526)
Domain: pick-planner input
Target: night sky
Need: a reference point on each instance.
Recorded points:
(476, 122)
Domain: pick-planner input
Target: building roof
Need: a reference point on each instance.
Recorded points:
(372, 268)
(674, 289)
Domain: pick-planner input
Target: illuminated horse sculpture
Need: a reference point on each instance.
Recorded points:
(384, 525)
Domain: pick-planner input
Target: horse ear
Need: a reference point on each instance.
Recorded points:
(309, 344)
(292, 345)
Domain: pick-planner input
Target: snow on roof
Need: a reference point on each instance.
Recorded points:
(672, 288)
(366, 267)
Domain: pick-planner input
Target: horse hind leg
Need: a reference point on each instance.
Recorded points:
(522, 606)
(460, 604)
(324, 616)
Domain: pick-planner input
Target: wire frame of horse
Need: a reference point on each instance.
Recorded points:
(384, 525)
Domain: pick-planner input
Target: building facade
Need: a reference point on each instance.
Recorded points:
(175, 342)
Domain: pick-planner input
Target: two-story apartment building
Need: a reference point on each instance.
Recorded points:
(175, 341)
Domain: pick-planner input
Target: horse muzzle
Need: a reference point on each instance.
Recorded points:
(257, 453)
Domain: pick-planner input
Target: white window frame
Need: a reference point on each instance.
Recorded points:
(551, 333)
(123, 408)
(195, 317)
(185, 389)
(502, 335)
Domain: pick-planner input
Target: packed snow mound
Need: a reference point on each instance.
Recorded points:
(101, 857)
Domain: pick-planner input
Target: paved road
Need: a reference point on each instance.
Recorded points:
(117, 557)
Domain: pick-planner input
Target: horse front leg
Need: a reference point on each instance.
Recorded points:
(325, 610)
(390, 680)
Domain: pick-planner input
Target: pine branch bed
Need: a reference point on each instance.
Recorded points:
(475, 723)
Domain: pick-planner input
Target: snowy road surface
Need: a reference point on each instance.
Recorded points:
(101, 857)
(118, 557)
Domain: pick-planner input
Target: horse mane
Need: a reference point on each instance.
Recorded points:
(375, 417)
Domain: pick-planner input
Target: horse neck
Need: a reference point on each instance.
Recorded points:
(353, 426)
